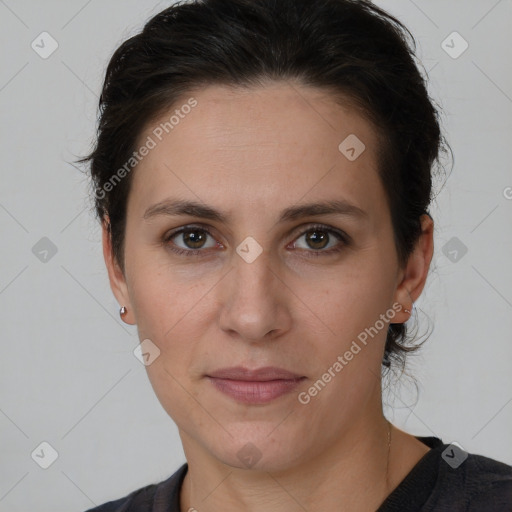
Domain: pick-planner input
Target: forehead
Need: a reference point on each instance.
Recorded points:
(260, 147)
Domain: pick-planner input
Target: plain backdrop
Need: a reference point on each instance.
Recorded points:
(68, 374)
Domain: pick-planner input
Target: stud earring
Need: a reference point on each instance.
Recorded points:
(122, 311)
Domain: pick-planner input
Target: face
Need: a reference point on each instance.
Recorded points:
(268, 281)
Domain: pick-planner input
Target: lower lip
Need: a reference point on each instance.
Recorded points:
(252, 392)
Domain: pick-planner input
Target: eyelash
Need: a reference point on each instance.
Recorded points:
(340, 235)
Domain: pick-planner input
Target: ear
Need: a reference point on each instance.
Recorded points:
(412, 278)
(115, 274)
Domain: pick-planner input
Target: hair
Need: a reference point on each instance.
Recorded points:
(361, 54)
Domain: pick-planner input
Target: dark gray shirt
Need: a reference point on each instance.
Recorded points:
(446, 479)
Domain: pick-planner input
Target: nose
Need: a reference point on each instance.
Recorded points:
(254, 300)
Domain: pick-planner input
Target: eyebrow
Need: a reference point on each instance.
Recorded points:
(178, 207)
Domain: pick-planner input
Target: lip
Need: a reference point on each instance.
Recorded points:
(255, 392)
(263, 374)
(258, 386)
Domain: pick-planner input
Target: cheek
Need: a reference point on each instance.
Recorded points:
(165, 310)
(172, 309)
(348, 323)
(350, 298)
(162, 296)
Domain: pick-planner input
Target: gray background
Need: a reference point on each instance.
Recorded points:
(68, 374)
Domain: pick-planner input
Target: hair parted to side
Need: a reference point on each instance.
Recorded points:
(352, 48)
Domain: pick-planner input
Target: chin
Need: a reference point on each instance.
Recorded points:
(258, 452)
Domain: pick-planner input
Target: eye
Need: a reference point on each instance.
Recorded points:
(318, 240)
(193, 239)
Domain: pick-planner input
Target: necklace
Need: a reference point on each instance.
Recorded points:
(387, 462)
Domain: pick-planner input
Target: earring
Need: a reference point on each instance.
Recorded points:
(122, 311)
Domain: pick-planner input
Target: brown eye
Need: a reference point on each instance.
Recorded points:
(194, 238)
(321, 240)
(190, 241)
(317, 239)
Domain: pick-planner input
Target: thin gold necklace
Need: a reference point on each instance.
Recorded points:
(389, 451)
(387, 461)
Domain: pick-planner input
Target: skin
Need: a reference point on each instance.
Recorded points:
(251, 153)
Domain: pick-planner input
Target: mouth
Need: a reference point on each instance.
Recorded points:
(255, 392)
(257, 386)
(263, 374)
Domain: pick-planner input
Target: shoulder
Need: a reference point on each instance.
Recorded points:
(140, 499)
(488, 484)
(449, 479)
(475, 483)
(146, 498)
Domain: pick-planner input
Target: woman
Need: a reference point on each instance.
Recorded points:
(263, 172)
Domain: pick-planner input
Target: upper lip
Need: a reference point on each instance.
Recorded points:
(259, 374)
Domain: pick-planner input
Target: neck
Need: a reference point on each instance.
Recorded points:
(355, 473)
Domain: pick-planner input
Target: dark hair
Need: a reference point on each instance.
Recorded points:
(357, 51)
